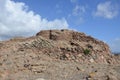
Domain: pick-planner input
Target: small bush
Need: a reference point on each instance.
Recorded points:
(86, 51)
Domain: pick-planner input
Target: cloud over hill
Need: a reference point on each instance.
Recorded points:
(17, 20)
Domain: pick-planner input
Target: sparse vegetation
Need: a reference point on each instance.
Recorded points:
(86, 51)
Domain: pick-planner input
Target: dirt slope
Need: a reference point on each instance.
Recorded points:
(57, 55)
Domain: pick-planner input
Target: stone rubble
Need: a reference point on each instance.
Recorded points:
(58, 55)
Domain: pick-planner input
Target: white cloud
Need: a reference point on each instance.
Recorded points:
(79, 10)
(77, 14)
(107, 10)
(115, 45)
(17, 20)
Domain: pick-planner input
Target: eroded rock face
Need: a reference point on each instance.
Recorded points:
(57, 55)
(75, 38)
(72, 44)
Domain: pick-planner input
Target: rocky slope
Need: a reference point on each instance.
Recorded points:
(57, 55)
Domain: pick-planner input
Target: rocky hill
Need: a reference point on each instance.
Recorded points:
(57, 55)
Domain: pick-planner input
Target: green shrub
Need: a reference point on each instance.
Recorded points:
(86, 51)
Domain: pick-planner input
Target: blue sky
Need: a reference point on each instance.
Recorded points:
(98, 18)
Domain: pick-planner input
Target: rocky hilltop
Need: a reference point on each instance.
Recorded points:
(57, 55)
(71, 45)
